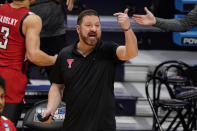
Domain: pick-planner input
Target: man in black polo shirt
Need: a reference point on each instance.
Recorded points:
(84, 75)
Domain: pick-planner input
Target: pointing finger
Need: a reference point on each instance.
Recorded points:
(126, 11)
(67, 2)
(117, 14)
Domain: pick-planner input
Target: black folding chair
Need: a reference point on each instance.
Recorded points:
(170, 105)
(179, 75)
(170, 74)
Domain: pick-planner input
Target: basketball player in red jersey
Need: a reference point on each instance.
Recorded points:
(19, 37)
(5, 124)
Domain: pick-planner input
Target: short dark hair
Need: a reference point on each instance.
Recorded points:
(2, 83)
(86, 13)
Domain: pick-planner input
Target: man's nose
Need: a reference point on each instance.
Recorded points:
(93, 28)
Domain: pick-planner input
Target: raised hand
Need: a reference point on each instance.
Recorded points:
(123, 19)
(70, 4)
(147, 20)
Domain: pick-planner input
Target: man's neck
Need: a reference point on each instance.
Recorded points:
(84, 49)
(19, 4)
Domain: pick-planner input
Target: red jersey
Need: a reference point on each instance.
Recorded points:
(12, 40)
(6, 125)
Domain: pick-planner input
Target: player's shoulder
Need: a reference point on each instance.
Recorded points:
(32, 18)
(31, 13)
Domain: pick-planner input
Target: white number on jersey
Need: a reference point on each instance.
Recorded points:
(5, 37)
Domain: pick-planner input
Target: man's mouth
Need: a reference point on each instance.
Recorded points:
(92, 36)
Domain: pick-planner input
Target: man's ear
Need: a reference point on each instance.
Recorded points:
(78, 28)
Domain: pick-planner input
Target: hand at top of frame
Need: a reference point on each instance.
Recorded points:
(123, 19)
(148, 19)
(70, 4)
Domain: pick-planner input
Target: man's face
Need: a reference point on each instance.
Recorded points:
(2, 100)
(90, 30)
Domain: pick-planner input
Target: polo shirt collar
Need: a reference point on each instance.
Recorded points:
(75, 52)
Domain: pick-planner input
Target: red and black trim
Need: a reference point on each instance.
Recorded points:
(21, 24)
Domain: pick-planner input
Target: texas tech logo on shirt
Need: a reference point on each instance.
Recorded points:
(70, 61)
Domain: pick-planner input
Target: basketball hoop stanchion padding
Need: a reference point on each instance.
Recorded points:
(185, 5)
(188, 38)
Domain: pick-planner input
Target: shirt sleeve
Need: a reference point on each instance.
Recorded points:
(110, 50)
(179, 24)
(55, 76)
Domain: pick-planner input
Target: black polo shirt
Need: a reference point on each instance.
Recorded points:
(89, 87)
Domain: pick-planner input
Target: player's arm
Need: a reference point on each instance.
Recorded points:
(69, 4)
(31, 28)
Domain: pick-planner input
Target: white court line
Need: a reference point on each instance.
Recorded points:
(125, 120)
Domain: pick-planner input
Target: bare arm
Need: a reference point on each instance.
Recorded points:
(70, 4)
(54, 98)
(130, 49)
(31, 28)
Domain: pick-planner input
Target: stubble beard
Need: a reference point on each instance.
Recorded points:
(89, 42)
